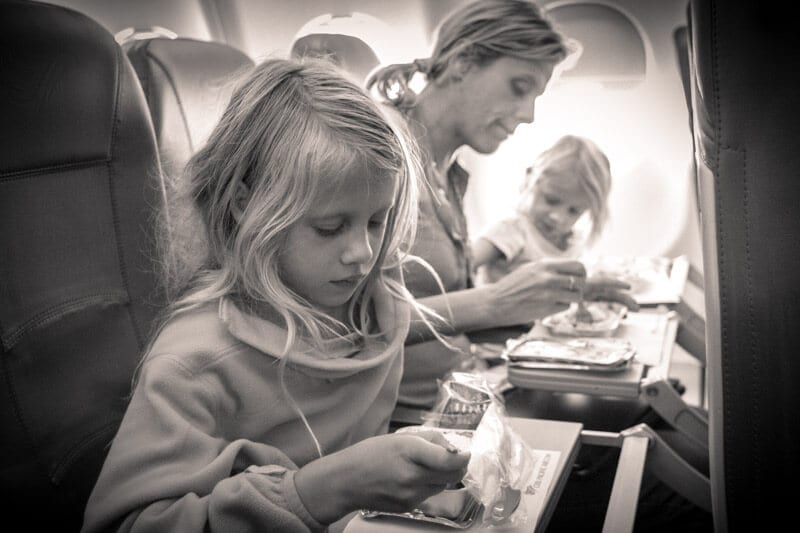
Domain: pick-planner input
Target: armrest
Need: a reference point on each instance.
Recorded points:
(621, 511)
(636, 443)
(666, 401)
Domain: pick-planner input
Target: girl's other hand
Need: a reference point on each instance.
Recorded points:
(607, 289)
(536, 290)
(391, 473)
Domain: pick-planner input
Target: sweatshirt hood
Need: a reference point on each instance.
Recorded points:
(339, 357)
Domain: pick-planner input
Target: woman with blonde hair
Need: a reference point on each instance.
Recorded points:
(490, 61)
(263, 401)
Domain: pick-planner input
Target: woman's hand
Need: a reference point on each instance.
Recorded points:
(609, 290)
(536, 290)
(386, 473)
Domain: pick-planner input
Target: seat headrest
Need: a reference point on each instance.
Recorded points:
(75, 130)
(57, 63)
(79, 186)
(187, 84)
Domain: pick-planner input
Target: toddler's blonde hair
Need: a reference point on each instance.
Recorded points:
(574, 156)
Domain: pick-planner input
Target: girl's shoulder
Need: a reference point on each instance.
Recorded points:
(198, 330)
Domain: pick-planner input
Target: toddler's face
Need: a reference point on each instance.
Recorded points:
(558, 203)
(329, 251)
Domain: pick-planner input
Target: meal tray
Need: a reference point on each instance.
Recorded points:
(596, 354)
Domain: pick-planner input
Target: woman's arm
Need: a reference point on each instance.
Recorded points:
(532, 291)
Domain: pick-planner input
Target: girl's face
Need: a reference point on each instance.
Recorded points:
(490, 101)
(332, 248)
(558, 203)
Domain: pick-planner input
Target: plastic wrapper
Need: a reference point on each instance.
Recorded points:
(470, 416)
(501, 466)
(462, 400)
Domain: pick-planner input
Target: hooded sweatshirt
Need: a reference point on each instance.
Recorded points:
(210, 442)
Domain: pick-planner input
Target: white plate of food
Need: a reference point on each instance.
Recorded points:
(589, 319)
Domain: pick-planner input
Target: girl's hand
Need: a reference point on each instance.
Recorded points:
(386, 473)
(609, 290)
(536, 290)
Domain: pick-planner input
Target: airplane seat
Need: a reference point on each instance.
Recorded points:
(78, 288)
(187, 85)
(745, 124)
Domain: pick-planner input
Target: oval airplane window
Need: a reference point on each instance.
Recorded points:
(616, 55)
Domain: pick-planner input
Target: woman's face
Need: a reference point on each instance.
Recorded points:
(490, 101)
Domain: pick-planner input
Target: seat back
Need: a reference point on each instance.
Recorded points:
(187, 84)
(746, 128)
(78, 289)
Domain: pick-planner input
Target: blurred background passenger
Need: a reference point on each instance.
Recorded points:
(329, 40)
(562, 210)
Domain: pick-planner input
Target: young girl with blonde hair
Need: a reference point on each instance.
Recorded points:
(568, 180)
(261, 401)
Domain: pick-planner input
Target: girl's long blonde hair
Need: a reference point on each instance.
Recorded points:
(481, 31)
(289, 126)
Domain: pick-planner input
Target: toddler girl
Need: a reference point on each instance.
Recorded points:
(261, 402)
(571, 178)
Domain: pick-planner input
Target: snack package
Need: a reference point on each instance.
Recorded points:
(470, 416)
(501, 464)
(461, 402)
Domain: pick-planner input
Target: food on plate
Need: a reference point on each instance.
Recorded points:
(596, 319)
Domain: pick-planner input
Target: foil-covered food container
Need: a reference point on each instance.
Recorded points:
(471, 512)
(596, 354)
